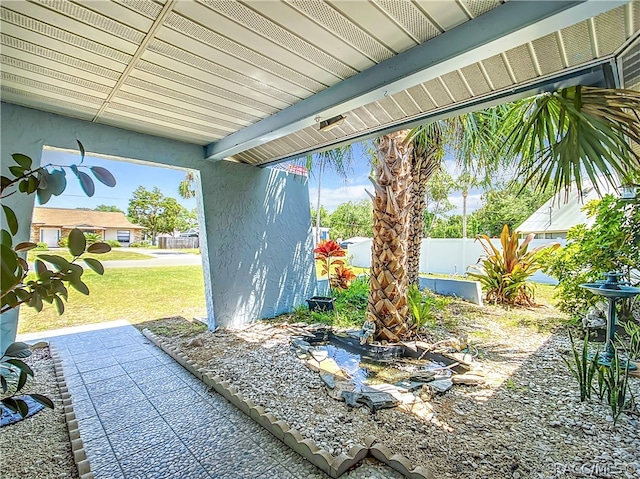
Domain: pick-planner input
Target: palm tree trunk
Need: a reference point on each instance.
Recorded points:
(422, 168)
(391, 213)
(465, 193)
(318, 205)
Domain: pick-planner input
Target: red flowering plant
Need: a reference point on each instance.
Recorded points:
(329, 253)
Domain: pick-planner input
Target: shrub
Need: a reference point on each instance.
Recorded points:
(114, 243)
(42, 247)
(63, 242)
(338, 275)
(504, 274)
(140, 244)
(611, 243)
(92, 237)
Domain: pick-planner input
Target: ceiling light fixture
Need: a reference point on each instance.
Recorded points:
(331, 123)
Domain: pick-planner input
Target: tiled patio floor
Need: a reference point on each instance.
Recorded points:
(141, 415)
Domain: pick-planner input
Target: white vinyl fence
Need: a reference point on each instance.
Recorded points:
(447, 255)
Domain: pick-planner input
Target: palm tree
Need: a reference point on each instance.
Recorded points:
(387, 305)
(339, 160)
(426, 160)
(558, 137)
(185, 188)
(463, 183)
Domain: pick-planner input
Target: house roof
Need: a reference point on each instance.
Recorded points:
(81, 218)
(561, 213)
(252, 81)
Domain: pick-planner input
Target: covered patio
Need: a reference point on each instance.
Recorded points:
(228, 88)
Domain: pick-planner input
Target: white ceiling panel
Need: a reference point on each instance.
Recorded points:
(257, 75)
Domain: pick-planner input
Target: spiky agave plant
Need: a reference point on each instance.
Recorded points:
(504, 274)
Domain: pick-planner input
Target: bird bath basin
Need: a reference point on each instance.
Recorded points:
(613, 290)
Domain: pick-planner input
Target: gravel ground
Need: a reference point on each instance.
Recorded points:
(39, 446)
(526, 422)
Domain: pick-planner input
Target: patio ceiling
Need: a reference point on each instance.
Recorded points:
(251, 80)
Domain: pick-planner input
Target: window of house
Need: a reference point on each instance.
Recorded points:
(124, 236)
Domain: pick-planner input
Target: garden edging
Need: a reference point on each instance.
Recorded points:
(334, 466)
(77, 447)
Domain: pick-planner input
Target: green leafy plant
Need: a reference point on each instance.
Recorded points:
(49, 285)
(114, 243)
(338, 276)
(420, 308)
(583, 368)
(140, 244)
(92, 238)
(42, 246)
(13, 377)
(616, 379)
(504, 274)
(633, 331)
(610, 243)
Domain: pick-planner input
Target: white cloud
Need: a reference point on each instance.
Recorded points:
(332, 197)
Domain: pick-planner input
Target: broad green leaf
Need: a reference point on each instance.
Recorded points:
(57, 182)
(42, 272)
(36, 302)
(59, 304)
(58, 261)
(99, 248)
(78, 285)
(12, 221)
(86, 183)
(6, 239)
(8, 267)
(4, 182)
(22, 380)
(77, 242)
(44, 400)
(103, 175)
(81, 148)
(32, 184)
(95, 265)
(23, 186)
(16, 171)
(26, 246)
(17, 350)
(16, 405)
(23, 160)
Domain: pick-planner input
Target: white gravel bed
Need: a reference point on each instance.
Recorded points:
(530, 426)
(39, 446)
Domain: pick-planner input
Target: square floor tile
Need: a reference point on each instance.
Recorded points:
(121, 418)
(117, 399)
(175, 400)
(140, 436)
(106, 386)
(170, 460)
(102, 374)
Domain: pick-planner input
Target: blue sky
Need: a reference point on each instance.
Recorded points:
(128, 177)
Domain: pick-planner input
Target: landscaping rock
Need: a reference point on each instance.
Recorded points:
(329, 380)
(319, 354)
(300, 344)
(470, 379)
(378, 400)
(410, 386)
(195, 343)
(441, 385)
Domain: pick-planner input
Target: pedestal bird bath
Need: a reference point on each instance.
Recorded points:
(612, 290)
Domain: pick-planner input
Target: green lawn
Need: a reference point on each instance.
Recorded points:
(134, 294)
(114, 255)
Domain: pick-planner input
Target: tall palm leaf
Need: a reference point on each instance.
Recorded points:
(575, 132)
(185, 188)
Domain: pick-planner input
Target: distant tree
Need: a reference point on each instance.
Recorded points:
(145, 208)
(437, 202)
(187, 219)
(108, 208)
(507, 205)
(171, 216)
(352, 219)
(324, 217)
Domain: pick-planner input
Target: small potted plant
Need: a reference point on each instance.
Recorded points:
(338, 276)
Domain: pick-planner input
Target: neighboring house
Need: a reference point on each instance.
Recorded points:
(324, 233)
(49, 225)
(553, 219)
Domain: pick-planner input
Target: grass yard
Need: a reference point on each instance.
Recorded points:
(134, 294)
(115, 254)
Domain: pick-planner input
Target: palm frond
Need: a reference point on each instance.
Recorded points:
(574, 134)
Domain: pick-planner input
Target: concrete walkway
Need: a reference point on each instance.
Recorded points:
(141, 415)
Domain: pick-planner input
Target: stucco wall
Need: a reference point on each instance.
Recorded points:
(256, 220)
(262, 266)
